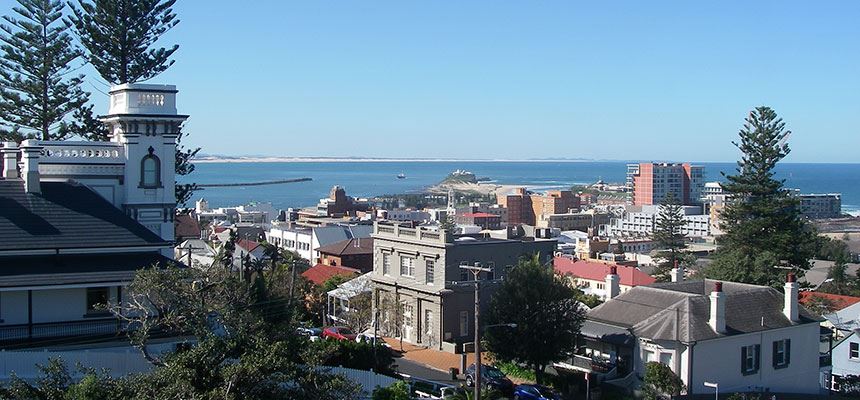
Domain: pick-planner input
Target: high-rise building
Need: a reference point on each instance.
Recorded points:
(650, 182)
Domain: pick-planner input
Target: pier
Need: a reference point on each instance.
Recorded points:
(261, 183)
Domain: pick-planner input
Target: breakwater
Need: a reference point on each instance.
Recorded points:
(261, 183)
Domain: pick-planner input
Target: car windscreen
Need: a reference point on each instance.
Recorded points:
(493, 373)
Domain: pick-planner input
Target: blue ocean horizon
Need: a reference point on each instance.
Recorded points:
(373, 178)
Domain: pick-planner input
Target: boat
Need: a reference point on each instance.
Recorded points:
(401, 176)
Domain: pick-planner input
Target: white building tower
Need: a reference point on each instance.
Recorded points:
(142, 118)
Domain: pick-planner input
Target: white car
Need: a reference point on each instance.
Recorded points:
(368, 337)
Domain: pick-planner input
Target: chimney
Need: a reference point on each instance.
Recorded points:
(10, 160)
(791, 307)
(677, 273)
(717, 319)
(612, 283)
(30, 150)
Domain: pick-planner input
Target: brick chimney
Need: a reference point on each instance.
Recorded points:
(790, 309)
(677, 273)
(10, 160)
(717, 319)
(30, 150)
(613, 287)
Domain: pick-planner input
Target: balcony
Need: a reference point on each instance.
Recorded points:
(24, 335)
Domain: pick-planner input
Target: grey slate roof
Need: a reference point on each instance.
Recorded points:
(65, 215)
(680, 311)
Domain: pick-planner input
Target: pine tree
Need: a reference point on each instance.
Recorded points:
(669, 239)
(119, 36)
(765, 234)
(38, 95)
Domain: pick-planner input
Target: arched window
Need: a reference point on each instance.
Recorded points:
(150, 170)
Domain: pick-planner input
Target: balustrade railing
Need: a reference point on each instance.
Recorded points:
(83, 152)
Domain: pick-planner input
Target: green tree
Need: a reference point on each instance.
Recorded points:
(669, 239)
(764, 231)
(119, 37)
(660, 382)
(396, 391)
(38, 94)
(533, 297)
(184, 167)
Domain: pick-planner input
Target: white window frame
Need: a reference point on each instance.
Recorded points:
(852, 353)
(429, 271)
(386, 264)
(407, 266)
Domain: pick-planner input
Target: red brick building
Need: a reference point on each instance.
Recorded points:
(527, 208)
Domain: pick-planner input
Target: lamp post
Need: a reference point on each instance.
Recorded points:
(716, 387)
(476, 273)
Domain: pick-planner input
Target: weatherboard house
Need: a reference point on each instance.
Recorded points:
(78, 218)
(739, 336)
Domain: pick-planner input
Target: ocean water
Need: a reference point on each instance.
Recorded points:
(362, 179)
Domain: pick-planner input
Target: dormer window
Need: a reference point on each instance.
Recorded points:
(150, 170)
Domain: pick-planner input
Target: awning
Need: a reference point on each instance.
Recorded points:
(607, 333)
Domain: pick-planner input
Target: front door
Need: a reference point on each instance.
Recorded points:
(408, 322)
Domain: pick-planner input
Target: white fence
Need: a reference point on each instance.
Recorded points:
(368, 380)
(25, 364)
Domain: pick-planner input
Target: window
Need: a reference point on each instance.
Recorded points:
(781, 353)
(150, 170)
(96, 299)
(854, 351)
(750, 359)
(666, 359)
(407, 266)
(428, 322)
(464, 323)
(429, 271)
(491, 274)
(386, 263)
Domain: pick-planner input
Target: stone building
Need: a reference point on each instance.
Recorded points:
(420, 291)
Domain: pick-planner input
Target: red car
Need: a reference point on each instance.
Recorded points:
(338, 333)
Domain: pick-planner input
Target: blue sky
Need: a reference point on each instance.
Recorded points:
(663, 80)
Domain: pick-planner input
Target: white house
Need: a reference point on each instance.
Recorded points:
(80, 218)
(305, 241)
(845, 361)
(742, 337)
(598, 277)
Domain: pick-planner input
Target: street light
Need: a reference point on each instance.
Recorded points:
(716, 387)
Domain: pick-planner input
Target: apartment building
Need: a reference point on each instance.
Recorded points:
(650, 182)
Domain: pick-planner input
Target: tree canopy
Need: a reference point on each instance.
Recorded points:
(38, 91)
(546, 312)
(120, 36)
(765, 234)
(669, 239)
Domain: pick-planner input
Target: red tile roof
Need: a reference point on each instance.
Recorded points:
(480, 215)
(186, 226)
(597, 271)
(320, 273)
(839, 301)
(248, 245)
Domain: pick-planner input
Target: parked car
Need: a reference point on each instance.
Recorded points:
(491, 377)
(368, 337)
(338, 333)
(535, 392)
(312, 333)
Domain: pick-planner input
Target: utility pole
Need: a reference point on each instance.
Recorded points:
(476, 273)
